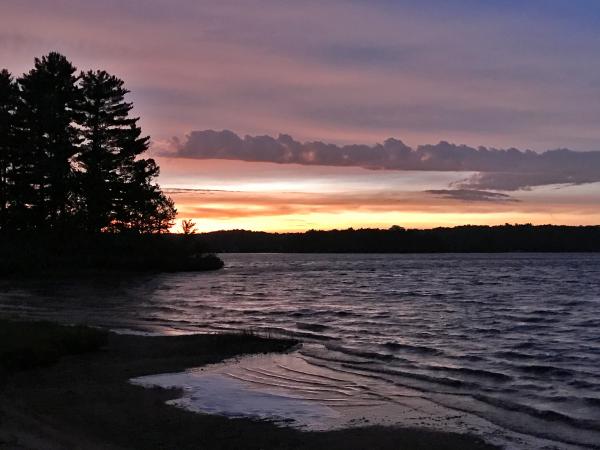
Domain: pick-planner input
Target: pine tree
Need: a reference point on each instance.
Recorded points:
(50, 100)
(71, 156)
(117, 185)
(8, 135)
(106, 130)
(145, 208)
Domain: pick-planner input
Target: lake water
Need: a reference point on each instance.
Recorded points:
(513, 339)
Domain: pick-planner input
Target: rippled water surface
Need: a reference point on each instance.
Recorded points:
(513, 338)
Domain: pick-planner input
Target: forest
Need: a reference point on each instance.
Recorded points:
(396, 239)
(76, 192)
(71, 155)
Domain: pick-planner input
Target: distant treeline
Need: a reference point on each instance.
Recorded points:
(70, 155)
(505, 238)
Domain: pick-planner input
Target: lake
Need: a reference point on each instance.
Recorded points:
(513, 339)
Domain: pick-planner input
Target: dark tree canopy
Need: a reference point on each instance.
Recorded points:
(70, 155)
(8, 133)
(49, 106)
(119, 193)
(462, 239)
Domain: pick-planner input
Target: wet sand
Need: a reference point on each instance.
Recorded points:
(87, 401)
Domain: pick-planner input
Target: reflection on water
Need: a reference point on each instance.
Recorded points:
(512, 338)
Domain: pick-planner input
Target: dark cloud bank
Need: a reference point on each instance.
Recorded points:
(472, 195)
(496, 169)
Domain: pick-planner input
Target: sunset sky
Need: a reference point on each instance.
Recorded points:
(291, 115)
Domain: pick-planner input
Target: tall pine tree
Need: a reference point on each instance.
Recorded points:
(8, 142)
(117, 185)
(50, 100)
(71, 156)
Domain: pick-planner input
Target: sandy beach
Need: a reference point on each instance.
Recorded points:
(87, 401)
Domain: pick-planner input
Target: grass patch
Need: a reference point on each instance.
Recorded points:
(27, 345)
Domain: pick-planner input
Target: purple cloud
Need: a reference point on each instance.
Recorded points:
(496, 169)
(471, 195)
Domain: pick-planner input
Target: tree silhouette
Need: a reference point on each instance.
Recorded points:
(70, 155)
(144, 207)
(50, 99)
(188, 226)
(117, 187)
(104, 113)
(8, 134)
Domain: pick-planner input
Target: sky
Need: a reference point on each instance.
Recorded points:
(287, 116)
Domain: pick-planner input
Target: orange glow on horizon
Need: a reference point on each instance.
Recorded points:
(296, 212)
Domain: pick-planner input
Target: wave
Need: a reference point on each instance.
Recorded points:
(479, 373)
(470, 390)
(334, 359)
(311, 326)
(413, 348)
(593, 401)
(365, 354)
(537, 319)
(546, 370)
(446, 381)
(524, 345)
(512, 355)
(546, 414)
(299, 334)
(470, 357)
(318, 376)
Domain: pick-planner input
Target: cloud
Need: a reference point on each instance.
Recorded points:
(551, 167)
(495, 169)
(471, 195)
(210, 144)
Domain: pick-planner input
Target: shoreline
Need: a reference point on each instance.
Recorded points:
(86, 400)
